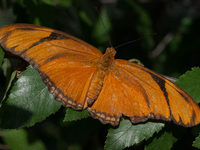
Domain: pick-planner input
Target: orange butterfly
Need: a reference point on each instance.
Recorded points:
(80, 76)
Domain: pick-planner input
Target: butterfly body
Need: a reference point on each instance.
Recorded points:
(80, 76)
(105, 64)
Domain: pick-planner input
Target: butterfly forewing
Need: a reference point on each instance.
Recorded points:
(65, 63)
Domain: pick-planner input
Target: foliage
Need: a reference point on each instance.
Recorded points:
(27, 103)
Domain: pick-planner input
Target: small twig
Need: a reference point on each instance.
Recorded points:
(161, 46)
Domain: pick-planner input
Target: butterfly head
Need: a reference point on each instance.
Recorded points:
(108, 58)
(111, 51)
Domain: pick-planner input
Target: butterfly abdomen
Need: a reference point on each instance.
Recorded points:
(95, 86)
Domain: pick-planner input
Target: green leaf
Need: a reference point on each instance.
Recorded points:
(37, 11)
(7, 15)
(165, 139)
(20, 140)
(73, 115)
(163, 142)
(9, 85)
(6, 67)
(1, 56)
(29, 102)
(143, 24)
(99, 32)
(84, 17)
(65, 3)
(127, 134)
(190, 83)
(196, 143)
(86, 12)
(49, 2)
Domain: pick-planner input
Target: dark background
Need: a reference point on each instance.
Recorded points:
(172, 51)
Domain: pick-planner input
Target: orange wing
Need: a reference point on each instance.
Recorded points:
(140, 94)
(65, 63)
(79, 76)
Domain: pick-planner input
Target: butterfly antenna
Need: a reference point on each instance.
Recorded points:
(104, 26)
(135, 40)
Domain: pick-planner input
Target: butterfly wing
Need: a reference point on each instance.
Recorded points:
(140, 94)
(65, 63)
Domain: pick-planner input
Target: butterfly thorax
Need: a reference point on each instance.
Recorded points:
(108, 58)
(96, 85)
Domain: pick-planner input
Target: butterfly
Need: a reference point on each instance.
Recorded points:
(80, 76)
